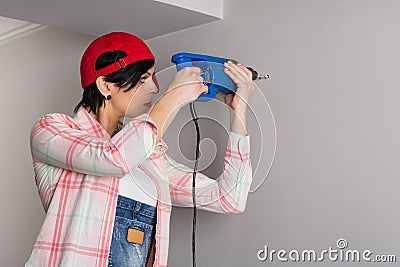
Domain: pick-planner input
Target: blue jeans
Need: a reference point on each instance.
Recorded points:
(134, 221)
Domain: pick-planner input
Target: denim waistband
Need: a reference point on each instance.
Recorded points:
(136, 206)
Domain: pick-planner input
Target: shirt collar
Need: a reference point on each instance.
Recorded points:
(90, 124)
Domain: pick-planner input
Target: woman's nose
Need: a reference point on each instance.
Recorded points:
(156, 85)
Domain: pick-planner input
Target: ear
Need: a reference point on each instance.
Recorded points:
(102, 85)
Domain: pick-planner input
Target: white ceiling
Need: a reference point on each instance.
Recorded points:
(12, 28)
(145, 18)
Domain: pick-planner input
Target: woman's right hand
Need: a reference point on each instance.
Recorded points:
(186, 86)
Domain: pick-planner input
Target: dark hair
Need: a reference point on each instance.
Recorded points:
(129, 75)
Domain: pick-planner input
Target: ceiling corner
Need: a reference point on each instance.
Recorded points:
(13, 28)
(212, 8)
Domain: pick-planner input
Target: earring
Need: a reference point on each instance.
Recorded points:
(108, 97)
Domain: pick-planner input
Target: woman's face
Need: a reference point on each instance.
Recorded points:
(139, 99)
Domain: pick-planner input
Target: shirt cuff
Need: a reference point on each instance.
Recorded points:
(240, 143)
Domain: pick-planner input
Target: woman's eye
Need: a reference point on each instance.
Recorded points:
(143, 79)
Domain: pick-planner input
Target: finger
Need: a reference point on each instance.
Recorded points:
(236, 78)
(228, 98)
(223, 96)
(237, 71)
(246, 70)
(186, 83)
(238, 67)
(231, 75)
(193, 69)
(204, 89)
(196, 70)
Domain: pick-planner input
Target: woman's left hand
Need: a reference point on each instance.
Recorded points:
(241, 76)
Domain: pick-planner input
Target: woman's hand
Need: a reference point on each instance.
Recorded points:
(241, 76)
(186, 86)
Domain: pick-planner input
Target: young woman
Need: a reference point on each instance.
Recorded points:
(87, 167)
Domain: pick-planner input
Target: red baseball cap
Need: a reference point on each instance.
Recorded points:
(134, 47)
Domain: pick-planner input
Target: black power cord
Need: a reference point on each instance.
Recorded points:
(194, 116)
(255, 76)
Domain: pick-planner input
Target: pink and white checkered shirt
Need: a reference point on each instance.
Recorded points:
(77, 168)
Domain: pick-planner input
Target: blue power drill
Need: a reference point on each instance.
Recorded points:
(212, 71)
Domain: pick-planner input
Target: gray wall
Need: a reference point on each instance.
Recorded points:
(39, 73)
(333, 92)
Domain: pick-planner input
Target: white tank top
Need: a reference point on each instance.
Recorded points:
(137, 185)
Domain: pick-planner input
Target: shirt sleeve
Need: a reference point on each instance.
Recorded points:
(226, 194)
(59, 142)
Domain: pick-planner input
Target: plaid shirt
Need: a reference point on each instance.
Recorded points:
(77, 167)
